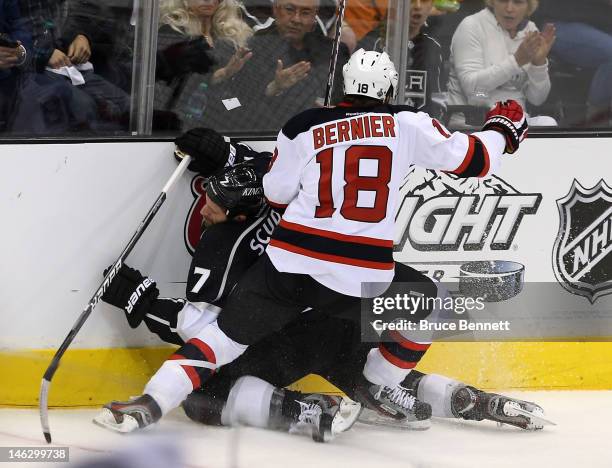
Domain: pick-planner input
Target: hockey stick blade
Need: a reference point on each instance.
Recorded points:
(44, 415)
(43, 403)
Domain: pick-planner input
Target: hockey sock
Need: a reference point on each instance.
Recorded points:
(380, 371)
(191, 365)
(392, 361)
(249, 403)
(383, 367)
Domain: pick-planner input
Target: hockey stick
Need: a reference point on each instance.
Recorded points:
(50, 372)
(334, 56)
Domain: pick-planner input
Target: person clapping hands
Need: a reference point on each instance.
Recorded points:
(535, 47)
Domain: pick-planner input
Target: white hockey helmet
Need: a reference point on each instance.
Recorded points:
(371, 74)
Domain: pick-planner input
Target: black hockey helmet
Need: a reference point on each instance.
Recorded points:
(239, 189)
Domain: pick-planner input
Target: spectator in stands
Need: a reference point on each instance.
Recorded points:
(443, 23)
(62, 50)
(424, 70)
(219, 22)
(287, 73)
(365, 16)
(292, 62)
(15, 53)
(498, 54)
(584, 39)
(202, 45)
(110, 35)
(259, 15)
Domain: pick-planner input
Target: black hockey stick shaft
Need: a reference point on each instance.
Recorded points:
(55, 362)
(334, 56)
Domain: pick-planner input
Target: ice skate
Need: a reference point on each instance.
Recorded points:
(128, 416)
(324, 416)
(473, 404)
(394, 407)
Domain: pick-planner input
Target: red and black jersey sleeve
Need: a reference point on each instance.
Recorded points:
(476, 162)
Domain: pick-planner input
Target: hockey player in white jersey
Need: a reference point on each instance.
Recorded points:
(337, 171)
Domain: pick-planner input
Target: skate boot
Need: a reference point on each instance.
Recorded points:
(394, 407)
(127, 416)
(323, 416)
(473, 404)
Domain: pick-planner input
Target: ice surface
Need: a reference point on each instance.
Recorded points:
(581, 438)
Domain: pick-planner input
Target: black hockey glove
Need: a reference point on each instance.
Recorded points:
(508, 118)
(132, 292)
(239, 189)
(183, 58)
(208, 149)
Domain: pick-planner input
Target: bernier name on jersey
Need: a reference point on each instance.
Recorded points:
(357, 128)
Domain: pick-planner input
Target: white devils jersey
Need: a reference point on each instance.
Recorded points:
(338, 172)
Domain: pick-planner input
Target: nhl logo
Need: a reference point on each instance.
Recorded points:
(582, 254)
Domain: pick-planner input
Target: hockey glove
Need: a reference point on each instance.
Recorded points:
(239, 189)
(208, 149)
(508, 119)
(132, 292)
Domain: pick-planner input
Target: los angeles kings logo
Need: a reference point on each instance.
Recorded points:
(582, 254)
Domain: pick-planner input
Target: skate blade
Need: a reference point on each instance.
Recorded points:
(346, 416)
(107, 420)
(405, 426)
(372, 418)
(534, 417)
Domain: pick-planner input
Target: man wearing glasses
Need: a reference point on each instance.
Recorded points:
(291, 63)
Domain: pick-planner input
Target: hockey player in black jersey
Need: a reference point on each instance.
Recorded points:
(314, 344)
(332, 247)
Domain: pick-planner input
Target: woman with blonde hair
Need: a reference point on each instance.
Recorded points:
(219, 23)
(499, 54)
